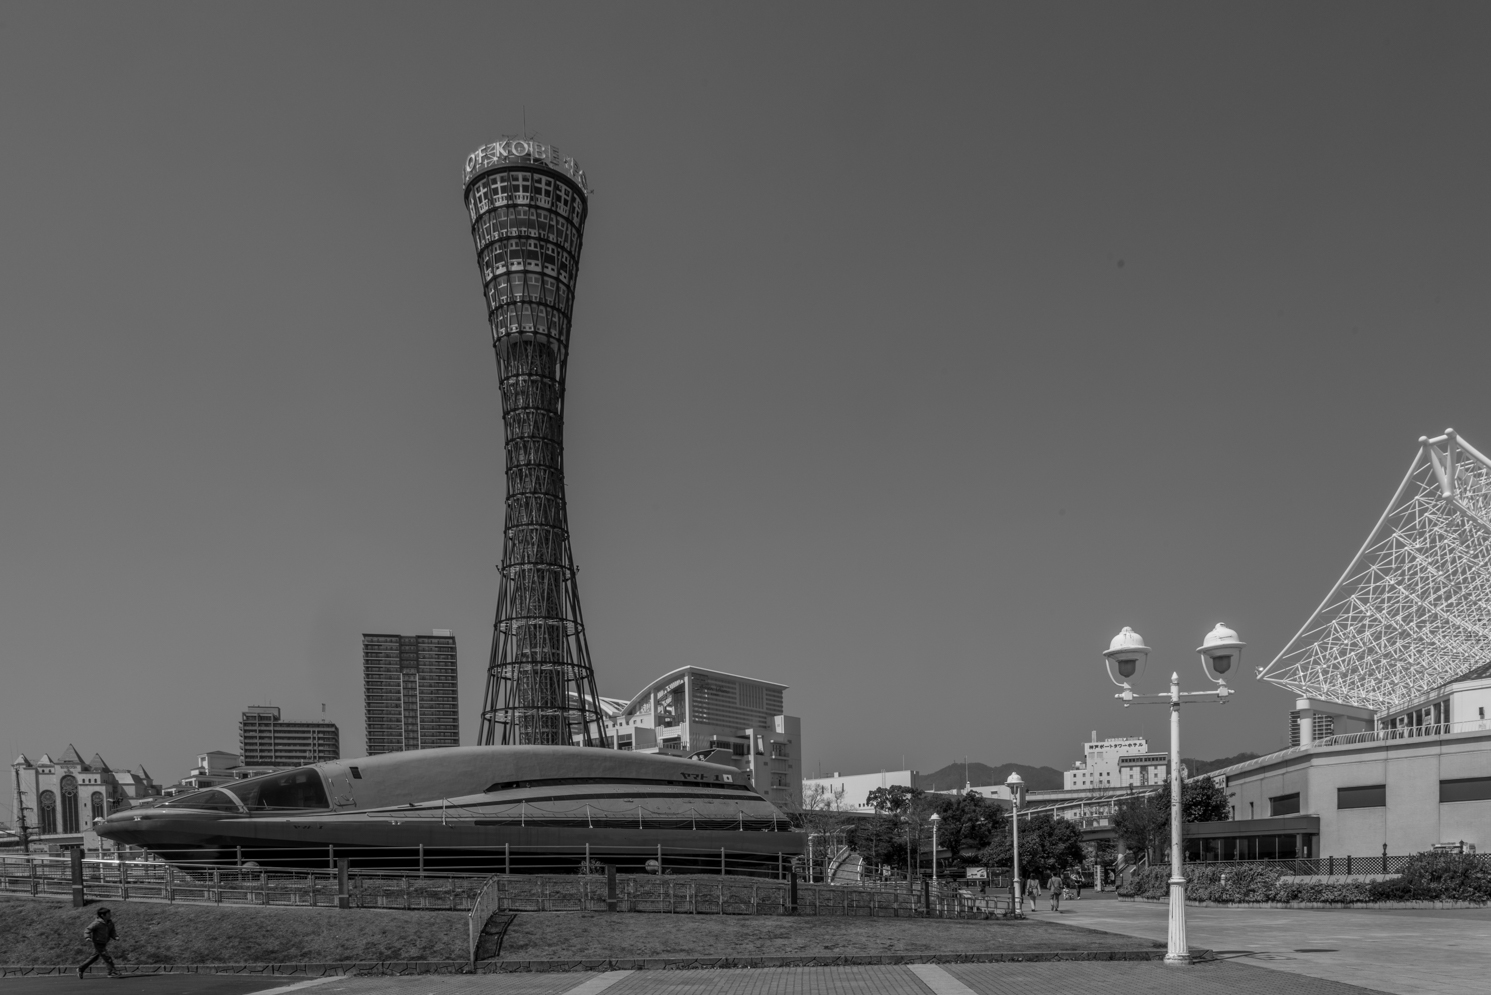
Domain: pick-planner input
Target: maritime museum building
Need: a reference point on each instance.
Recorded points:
(736, 720)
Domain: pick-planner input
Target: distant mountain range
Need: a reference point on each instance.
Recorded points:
(1195, 767)
(952, 776)
(1039, 778)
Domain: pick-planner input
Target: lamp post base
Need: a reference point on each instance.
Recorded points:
(1178, 952)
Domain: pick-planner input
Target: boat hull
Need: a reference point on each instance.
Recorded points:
(515, 808)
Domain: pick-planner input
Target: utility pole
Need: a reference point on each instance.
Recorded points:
(21, 815)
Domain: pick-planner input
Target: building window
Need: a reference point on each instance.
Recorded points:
(779, 751)
(1362, 796)
(69, 804)
(97, 803)
(1465, 789)
(1284, 804)
(47, 812)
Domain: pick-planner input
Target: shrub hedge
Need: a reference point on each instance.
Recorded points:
(1443, 877)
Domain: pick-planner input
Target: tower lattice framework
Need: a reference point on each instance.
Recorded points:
(528, 205)
(1413, 610)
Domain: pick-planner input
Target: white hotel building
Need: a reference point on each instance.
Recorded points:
(1116, 763)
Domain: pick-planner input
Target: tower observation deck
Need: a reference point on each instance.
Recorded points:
(528, 205)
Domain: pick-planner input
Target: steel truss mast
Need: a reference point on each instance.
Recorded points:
(528, 206)
(1413, 610)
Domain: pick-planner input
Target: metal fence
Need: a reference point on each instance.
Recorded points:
(1349, 864)
(699, 894)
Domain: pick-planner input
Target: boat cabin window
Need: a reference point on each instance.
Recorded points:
(294, 789)
(213, 800)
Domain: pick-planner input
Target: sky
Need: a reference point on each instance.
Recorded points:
(917, 349)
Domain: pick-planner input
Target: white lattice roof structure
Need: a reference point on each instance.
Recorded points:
(1413, 610)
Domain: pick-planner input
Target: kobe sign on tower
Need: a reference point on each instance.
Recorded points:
(527, 204)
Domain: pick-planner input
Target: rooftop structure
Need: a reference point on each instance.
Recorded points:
(1413, 609)
(527, 205)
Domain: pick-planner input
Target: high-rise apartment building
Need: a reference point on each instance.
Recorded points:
(409, 691)
(265, 741)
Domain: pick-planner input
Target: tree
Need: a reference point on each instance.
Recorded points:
(895, 799)
(1144, 823)
(969, 824)
(821, 815)
(1047, 845)
(888, 838)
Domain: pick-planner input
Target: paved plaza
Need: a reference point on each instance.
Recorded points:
(1403, 951)
(1048, 978)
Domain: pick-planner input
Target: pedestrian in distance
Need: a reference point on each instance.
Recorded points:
(1033, 891)
(1077, 881)
(1055, 884)
(99, 932)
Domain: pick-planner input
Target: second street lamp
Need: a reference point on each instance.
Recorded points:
(1016, 784)
(1220, 651)
(935, 819)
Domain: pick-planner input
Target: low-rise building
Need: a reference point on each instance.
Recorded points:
(1420, 778)
(59, 799)
(851, 792)
(720, 717)
(213, 768)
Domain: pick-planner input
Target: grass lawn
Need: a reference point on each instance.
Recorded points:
(584, 935)
(49, 932)
(34, 931)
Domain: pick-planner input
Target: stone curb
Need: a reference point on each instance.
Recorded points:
(610, 964)
(1311, 905)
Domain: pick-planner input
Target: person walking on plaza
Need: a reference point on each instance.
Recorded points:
(100, 931)
(1033, 891)
(1055, 884)
(1077, 884)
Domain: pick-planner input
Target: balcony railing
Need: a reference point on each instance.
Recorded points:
(1407, 732)
(1371, 736)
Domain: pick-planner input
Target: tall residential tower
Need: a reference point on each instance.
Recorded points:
(409, 691)
(527, 205)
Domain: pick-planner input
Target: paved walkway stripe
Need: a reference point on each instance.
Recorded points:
(300, 985)
(599, 983)
(939, 980)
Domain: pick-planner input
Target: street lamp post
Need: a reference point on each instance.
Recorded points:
(935, 819)
(1016, 784)
(1220, 651)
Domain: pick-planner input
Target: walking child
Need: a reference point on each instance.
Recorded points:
(99, 932)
